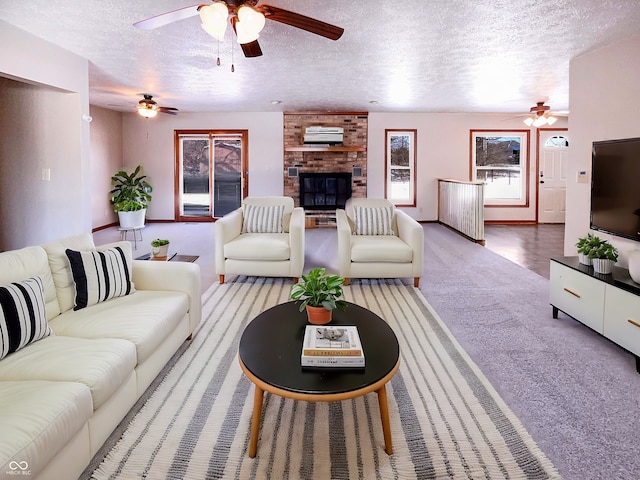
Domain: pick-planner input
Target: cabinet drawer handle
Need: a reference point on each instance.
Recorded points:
(573, 293)
(633, 322)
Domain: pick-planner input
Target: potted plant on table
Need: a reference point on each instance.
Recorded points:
(319, 293)
(603, 256)
(584, 245)
(130, 196)
(160, 248)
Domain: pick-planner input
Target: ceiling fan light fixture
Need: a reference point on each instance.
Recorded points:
(249, 25)
(214, 19)
(540, 121)
(147, 111)
(528, 121)
(551, 119)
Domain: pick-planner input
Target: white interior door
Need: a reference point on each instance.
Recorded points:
(552, 177)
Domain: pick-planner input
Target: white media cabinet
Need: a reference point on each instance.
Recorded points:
(608, 304)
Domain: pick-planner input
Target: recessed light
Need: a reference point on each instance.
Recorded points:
(275, 102)
(374, 102)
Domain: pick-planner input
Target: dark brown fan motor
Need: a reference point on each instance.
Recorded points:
(251, 49)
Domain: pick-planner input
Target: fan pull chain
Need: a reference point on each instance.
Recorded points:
(233, 69)
(218, 61)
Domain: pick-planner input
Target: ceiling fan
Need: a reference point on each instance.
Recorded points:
(540, 115)
(148, 108)
(246, 18)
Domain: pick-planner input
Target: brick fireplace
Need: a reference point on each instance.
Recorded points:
(313, 162)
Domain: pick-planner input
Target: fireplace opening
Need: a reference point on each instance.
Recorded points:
(324, 191)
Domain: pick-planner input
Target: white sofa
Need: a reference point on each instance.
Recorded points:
(262, 247)
(62, 396)
(389, 246)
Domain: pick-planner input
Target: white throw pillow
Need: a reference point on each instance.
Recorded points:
(23, 318)
(262, 218)
(100, 276)
(373, 220)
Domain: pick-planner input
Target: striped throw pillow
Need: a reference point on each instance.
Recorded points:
(99, 276)
(262, 218)
(373, 220)
(23, 319)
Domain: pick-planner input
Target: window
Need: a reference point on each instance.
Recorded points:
(500, 159)
(557, 141)
(400, 171)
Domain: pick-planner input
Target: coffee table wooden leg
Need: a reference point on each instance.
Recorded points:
(384, 416)
(255, 421)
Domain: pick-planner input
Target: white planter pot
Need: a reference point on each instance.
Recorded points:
(634, 265)
(602, 265)
(584, 259)
(160, 251)
(132, 219)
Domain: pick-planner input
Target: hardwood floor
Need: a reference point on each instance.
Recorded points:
(530, 246)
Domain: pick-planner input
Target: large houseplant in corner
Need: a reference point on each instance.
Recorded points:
(130, 196)
(319, 293)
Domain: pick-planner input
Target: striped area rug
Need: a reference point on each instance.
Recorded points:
(447, 421)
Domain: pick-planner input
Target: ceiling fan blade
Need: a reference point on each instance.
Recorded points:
(300, 21)
(168, 17)
(169, 110)
(251, 49)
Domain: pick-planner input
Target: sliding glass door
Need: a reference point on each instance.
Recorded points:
(211, 180)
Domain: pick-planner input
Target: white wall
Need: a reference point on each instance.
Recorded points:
(106, 159)
(443, 151)
(604, 94)
(41, 127)
(151, 144)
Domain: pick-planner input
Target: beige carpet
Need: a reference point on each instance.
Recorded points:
(447, 421)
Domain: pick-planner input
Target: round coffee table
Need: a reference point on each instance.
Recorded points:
(269, 354)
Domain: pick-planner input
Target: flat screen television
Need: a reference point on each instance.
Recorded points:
(615, 187)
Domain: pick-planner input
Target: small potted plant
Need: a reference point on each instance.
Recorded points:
(603, 256)
(130, 196)
(159, 248)
(584, 245)
(319, 293)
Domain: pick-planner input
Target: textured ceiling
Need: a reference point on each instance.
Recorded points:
(411, 56)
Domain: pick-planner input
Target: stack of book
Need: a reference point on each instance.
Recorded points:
(332, 347)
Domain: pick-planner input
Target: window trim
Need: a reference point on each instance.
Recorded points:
(413, 141)
(524, 135)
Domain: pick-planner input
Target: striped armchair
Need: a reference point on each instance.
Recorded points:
(264, 238)
(375, 240)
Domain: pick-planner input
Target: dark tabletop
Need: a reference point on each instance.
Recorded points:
(271, 345)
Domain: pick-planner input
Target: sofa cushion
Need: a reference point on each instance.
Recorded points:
(262, 218)
(102, 364)
(38, 419)
(100, 276)
(145, 319)
(23, 319)
(18, 265)
(380, 248)
(59, 264)
(373, 220)
(259, 246)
